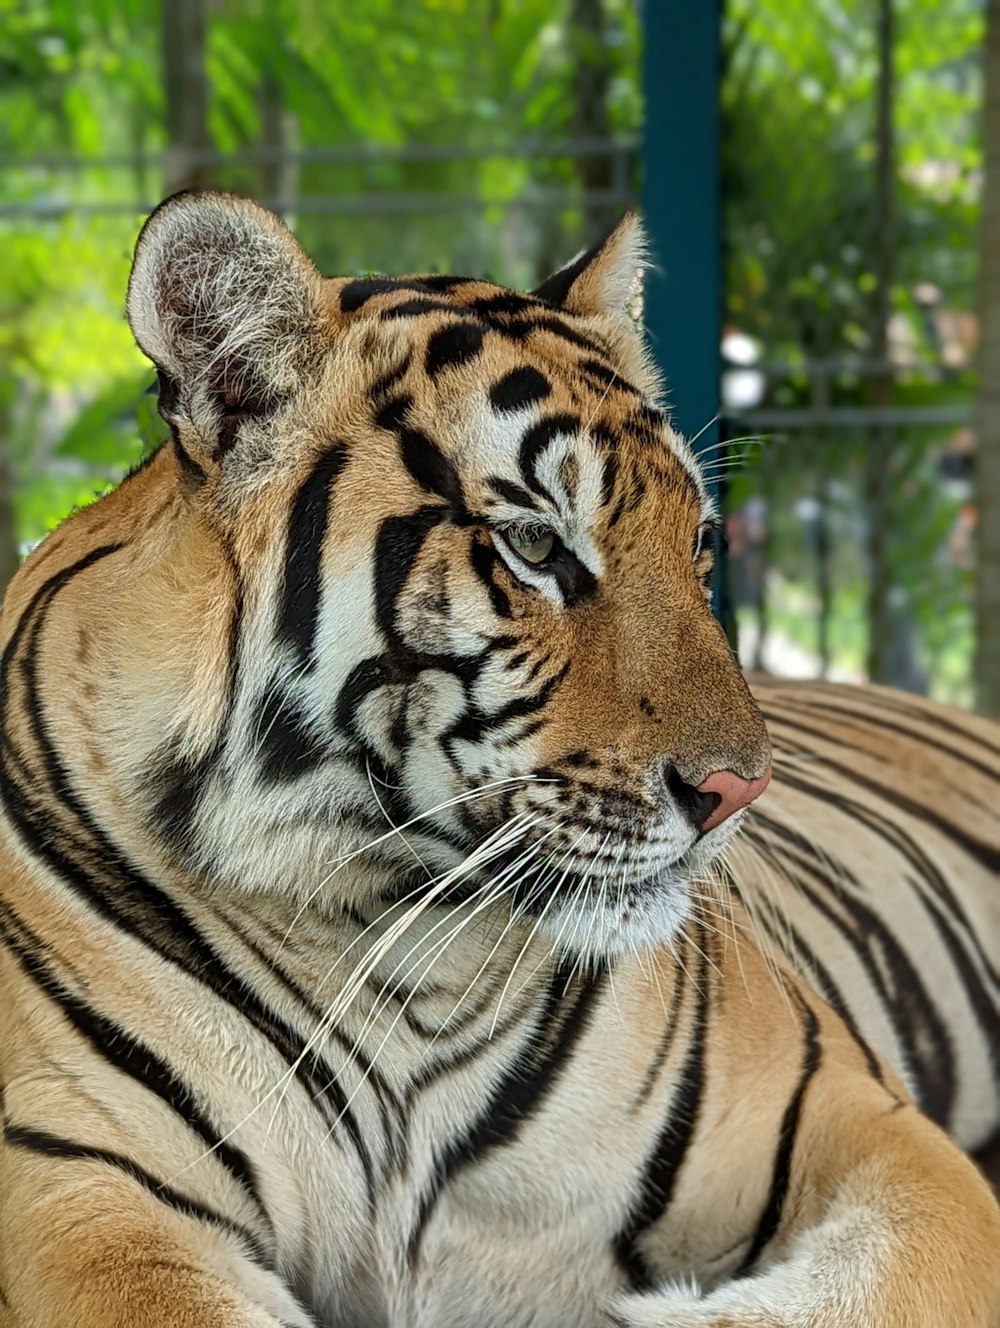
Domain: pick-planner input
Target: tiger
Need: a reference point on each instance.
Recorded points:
(405, 921)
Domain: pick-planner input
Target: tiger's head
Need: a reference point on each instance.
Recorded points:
(416, 596)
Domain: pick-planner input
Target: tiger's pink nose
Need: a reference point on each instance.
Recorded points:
(732, 792)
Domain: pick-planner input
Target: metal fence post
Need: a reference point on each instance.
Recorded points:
(680, 201)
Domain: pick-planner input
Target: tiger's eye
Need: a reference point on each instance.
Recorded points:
(534, 546)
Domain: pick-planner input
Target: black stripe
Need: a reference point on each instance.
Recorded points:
(397, 546)
(781, 932)
(358, 292)
(289, 747)
(868, 719)
(985, 854)
(419, 306)
(513, 493)
(925, 1039)
(669, 1028)
(50, 1145)
(61, 831)
(663, 1167)
(534, 442)
(875, 701)
(504, 304)
(431, 469)
(562, 330)
(390, 379)
(609, 478)
(456, 344)
(521, 1091)
(518, 390)
(781, 1170)
(299, 597)
(476, 723)
(487, 565)
(128, 1054)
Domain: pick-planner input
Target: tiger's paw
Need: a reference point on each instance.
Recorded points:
(683, 1306)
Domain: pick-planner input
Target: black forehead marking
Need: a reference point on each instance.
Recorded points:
(609, 476)
(431, 469)
(514, 493)
(392, 415)
(425, 305)
(520, 388)
(504, 303)
(382, 386)
(421, 456)
(450, 346)
(536, 439)
(359, 291)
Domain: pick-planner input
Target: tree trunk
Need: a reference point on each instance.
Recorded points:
(9, 557)
(277, 169)
(987, 471)
(880, 441)
(592, 75)
(182, 32)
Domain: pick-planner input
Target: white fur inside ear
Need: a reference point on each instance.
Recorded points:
(622, 265)
(606, 280)
(222, 295)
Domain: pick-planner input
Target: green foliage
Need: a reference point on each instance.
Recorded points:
(799, 109)
(84, 79)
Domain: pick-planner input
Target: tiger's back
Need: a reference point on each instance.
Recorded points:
(872, 866)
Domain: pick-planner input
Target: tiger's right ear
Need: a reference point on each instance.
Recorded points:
(229, 309)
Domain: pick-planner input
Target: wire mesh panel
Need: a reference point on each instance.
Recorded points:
(851, 175)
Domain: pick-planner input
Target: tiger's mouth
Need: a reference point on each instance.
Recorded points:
(595, 906)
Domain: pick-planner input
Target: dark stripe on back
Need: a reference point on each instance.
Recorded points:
(50, 1145)
(925, 1039)
(127, 1053)
(880, 718)
(985, 854)
(770, 1218)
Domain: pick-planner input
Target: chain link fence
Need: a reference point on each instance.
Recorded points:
(849, 337)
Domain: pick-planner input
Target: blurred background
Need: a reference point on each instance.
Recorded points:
(814, 176)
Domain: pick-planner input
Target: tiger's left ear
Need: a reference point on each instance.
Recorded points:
(605, 284)
(606, 279)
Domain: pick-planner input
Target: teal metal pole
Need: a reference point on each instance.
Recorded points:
(680, 202)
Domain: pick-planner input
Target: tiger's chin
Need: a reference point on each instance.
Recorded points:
(606, 920)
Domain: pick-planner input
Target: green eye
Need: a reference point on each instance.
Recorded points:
(531, 543)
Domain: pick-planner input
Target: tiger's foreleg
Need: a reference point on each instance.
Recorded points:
(887, 1225)
(82, 1246)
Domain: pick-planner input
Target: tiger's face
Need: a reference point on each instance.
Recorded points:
(420, 591)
